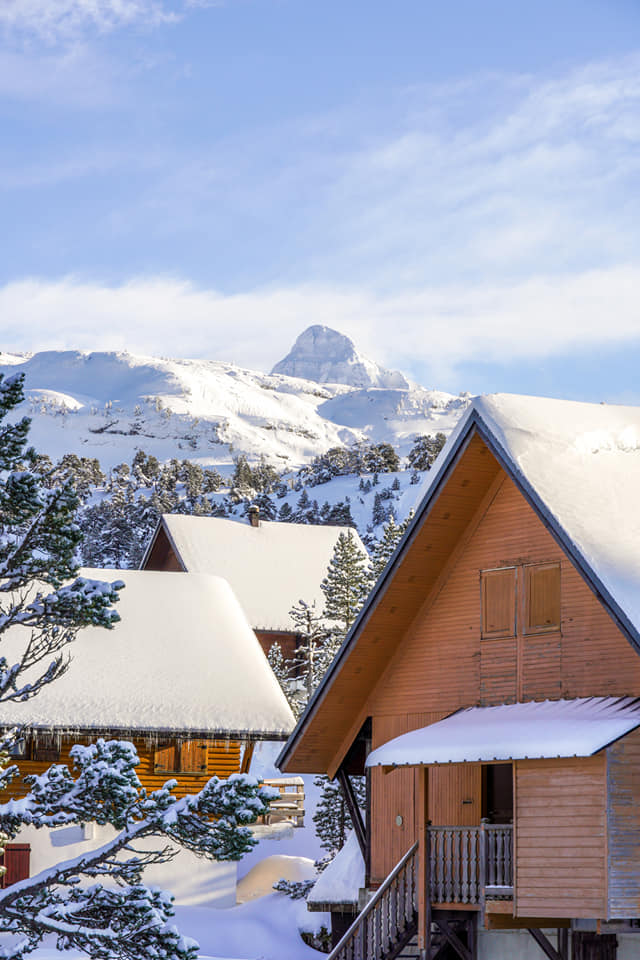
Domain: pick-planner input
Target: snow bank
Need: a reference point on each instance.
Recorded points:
(341, 881)
(259, 881)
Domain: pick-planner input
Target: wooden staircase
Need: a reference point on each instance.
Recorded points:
(389, 922)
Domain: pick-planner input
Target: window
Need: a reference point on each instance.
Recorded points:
(499, 603)
(542, 597)
(181, 756)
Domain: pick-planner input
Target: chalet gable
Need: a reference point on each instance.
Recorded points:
(592, 520)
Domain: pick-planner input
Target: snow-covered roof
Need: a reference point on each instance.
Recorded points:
(270, 567)
(581, 463)
(515, 731)
(341, 881)
(182, 659)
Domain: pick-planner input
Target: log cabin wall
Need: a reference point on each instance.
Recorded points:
(441, 663)
(561, 843)
(223, 759)
(623, 827)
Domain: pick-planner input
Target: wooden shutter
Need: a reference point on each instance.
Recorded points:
(165, 758)
(16, 860)
(499, 603)
(542, 603)
(586, 945)
(193, 756)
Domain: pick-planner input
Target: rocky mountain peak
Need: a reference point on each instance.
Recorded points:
(328, 356)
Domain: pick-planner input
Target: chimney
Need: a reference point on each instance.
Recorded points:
(254, 515)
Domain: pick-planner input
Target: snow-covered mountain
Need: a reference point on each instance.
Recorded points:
(327, 356)
(109, 405)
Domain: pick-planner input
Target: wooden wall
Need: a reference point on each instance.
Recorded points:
(223, 759)
(623, 827)
(162, 556)
(561, 843)
(441, 663)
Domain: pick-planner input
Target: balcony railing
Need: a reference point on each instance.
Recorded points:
(469, 864)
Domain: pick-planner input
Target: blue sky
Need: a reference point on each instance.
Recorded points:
(453, 185)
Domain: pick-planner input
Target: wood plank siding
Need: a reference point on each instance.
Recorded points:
(162, 556)
(223, 759)
(623, 827)
(442, 662)
(561, 843)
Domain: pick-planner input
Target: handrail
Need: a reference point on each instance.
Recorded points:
(372, 904)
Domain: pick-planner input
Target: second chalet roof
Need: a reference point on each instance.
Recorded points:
(515, 731)
(270, 567)
(182, 660)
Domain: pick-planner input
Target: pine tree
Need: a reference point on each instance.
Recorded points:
(384, 548)
(39, 540)
(425, 450)
(347, 583)
(120, 918)
(331, 818)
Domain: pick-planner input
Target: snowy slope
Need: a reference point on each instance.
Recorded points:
(108, 405)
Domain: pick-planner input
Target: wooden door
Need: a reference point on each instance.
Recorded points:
(455, 795)
(593, 946)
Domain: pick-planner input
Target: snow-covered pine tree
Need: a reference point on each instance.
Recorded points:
(39, 538)
(347, 583)
(383, 549)
(331, 818)
(96, 902)
(425, 449)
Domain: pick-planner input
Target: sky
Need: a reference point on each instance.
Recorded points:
(455, 186)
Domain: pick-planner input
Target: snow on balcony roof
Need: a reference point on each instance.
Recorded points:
(581, 461)
(270, 567)
(182, 659)
(515, 731)
(341, 880)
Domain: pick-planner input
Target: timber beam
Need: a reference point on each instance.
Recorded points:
(354, 810)
(562, 953)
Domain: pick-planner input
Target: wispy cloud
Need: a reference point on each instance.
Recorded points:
(56, 20)
(434, 330)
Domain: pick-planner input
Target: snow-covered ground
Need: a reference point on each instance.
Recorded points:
(109, 405)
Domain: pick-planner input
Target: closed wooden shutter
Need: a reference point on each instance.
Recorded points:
(542, 597)
(193, 756)
(499, 603)
(45, 749)
(16, 859)
(165, 758)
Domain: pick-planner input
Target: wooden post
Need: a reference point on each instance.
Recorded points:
(482, 867)
(423, 865)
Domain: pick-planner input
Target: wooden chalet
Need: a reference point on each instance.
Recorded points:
(490, 690)
(270, 565)
(181, 675)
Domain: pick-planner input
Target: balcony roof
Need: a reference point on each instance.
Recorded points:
(514, 731)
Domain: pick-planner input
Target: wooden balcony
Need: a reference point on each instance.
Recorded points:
(468, 865)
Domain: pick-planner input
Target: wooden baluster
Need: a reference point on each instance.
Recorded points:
(482, 864)
(455, 867)
(499, 858)
(447, 867)
(508, 856)
(438, 866)
(464, 857)
(473, 866)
